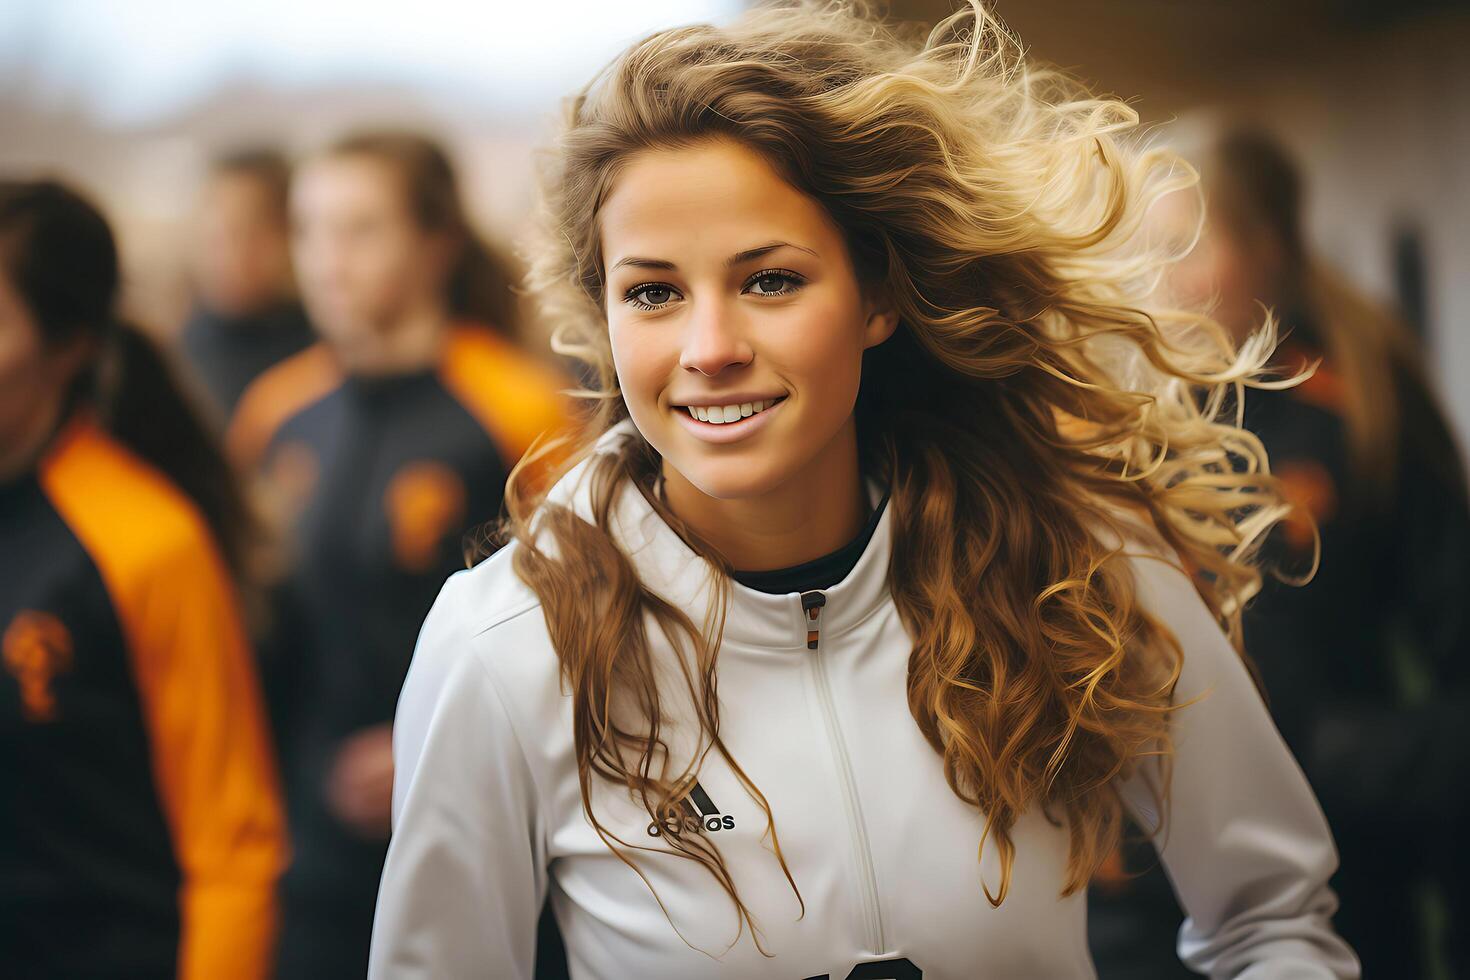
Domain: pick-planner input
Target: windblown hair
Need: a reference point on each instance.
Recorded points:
(1031, 415)
(1256, 192)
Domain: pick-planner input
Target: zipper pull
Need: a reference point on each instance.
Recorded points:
(811, 604)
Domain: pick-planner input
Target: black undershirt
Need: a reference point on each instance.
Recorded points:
(819, 573)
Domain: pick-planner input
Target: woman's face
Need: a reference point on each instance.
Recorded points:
(1221, 273)
(241, 255)
(33, 377)
(736, 317)
(362, 261)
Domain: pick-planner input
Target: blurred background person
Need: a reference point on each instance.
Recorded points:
(142, 832)
(246, 317)
(383, 444)
(1366, 667)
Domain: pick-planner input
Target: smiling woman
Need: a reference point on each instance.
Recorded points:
(918, 621)
(762, 306)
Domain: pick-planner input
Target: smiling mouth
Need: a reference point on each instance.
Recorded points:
(724, 414)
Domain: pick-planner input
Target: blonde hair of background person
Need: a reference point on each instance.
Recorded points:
(1028, 413)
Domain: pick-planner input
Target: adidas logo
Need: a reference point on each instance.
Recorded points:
(697, 814)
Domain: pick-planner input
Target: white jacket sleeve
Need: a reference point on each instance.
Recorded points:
(1244, 842)
(465, 875)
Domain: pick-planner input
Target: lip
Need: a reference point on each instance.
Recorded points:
(728, 398)
(726, 432)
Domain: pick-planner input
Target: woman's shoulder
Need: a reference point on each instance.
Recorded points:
(143, 528)
(482, 670)
(277, 395)
(1129, 532)
(491, 587)
(512, 394)
(485, 616)
(1165, 588)
(1163, 579)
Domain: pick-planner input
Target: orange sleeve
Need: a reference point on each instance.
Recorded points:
(514, 397)
(212, 761)
(274, 397)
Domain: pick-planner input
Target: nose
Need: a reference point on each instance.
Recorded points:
(713, 341)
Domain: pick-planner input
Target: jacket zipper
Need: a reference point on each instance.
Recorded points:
(812, 604)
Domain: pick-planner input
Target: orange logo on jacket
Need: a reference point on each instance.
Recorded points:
(37, 647)
(425, 501)
(290, 477)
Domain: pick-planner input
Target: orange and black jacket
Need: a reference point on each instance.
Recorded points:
(227, 353)
(382, 478)
(142, 831)
(1386, 610)
(1367, 666)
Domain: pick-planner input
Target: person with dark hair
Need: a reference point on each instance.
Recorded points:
(1365, 666)
(382, 445)
(143, 831)
(246, 316)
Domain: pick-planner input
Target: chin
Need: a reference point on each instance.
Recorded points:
(735, 478)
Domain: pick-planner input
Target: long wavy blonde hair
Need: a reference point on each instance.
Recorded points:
(1029, 399)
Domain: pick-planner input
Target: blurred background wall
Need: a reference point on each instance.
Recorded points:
(133, 99)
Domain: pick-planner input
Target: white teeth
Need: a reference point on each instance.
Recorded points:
(721, 414)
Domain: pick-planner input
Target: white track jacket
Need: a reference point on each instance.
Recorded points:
(488, 814)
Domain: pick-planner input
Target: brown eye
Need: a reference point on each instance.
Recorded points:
(650, 296)
(774, 284)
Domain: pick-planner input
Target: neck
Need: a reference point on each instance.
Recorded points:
(815, 512)
(409, 342)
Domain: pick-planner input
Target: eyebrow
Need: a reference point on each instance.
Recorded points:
(734, 260)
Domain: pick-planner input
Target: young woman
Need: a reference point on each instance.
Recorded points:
(384, 443)
(1365, 665)
(846, 645)
(142, 832)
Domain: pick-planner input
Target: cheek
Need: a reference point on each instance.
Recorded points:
(262, 251)
(1228, 267)
(819, 348)
(1192, 278)
(20, 354)
(312, 262)
(1225, 270)
(365, 277)
(389, 270)
(25, 382)
(645, 358)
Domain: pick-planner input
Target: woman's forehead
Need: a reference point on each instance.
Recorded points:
(341, 180)
(710, 201)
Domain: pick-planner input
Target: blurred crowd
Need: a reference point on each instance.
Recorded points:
(215, 559)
